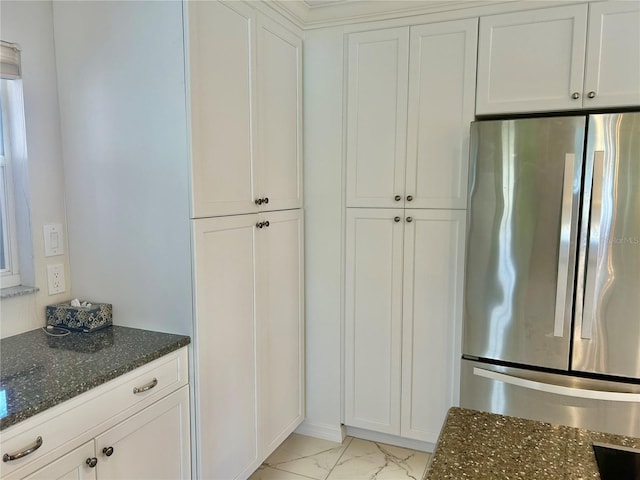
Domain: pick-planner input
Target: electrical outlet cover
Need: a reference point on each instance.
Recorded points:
(55, 278)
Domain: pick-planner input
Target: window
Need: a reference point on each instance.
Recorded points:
(12, 147)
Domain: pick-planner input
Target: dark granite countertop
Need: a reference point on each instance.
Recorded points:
(477, 445)
(38, 371)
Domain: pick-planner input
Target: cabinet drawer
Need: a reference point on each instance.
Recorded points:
(73, 422)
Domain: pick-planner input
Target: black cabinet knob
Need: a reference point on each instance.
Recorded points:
(258, 201)
(409, 198)
(108, 451)
(265, 200)
(396, 219)
(409, 219)
(397, 198)
(92, 462)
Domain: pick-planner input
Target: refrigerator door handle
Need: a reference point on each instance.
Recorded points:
(565, 243)
(590, 297)
(557, 389)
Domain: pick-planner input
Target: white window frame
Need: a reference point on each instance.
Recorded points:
(9, 276)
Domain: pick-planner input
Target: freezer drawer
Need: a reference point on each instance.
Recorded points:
(612, 407)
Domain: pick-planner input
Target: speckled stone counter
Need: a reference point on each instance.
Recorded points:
(477, 445)
(38, 371)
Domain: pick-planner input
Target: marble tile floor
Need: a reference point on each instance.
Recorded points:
(303, 458)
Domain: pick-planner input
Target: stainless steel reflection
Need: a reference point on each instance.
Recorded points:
(525, 189)
(536, 403)
(606, 338)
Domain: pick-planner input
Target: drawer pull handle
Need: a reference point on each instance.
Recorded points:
(92, 462)
(146, 387)
(30, 449)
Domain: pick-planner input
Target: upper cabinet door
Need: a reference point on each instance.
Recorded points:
(612, 76)
(442, 79)
(279, 172)
(532, 61)
(221, 78)
(377, 86)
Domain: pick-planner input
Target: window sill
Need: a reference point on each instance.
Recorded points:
(18, 291)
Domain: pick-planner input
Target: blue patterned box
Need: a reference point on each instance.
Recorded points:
(82, 319)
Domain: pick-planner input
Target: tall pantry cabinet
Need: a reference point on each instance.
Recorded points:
(410, 99)
(246, 104)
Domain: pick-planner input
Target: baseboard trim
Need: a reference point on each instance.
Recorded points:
(333, 433)
(390, 439)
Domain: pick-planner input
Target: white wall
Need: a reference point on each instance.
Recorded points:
(323, 77)
(124, 132)
(30, 25)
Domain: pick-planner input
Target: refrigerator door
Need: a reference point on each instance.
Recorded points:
(525, 186)
(607, 327)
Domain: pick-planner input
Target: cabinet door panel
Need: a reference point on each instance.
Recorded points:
(153, 444)
(373, 319)
(613, 55)
(72, 466)
(279, 176)
(222, 76)
(377, 117)
(432, 316)
(224, 339)
(531, 61)
(280, 310)
(442, 79)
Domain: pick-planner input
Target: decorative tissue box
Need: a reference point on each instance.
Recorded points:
(82, 319)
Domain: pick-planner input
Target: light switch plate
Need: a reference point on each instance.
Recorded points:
(53, 240)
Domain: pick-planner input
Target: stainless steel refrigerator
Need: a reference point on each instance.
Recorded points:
(552, 282)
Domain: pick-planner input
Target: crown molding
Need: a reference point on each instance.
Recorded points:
(309, 14)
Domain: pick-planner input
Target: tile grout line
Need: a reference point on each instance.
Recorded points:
(338, 460)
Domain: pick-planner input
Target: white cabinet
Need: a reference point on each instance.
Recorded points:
(613, 55)
(153, 444)
(245, 73)
(225, 340)
(245, 102)
(373, 318)
(221, 65)
(376, 117)
(279, 169)
(75, 465)
(249, 340)
(280, 314)
(431, 319)
(442, 77)
(403, 312)
(410, 99)
(548, 60)
(142, 415)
